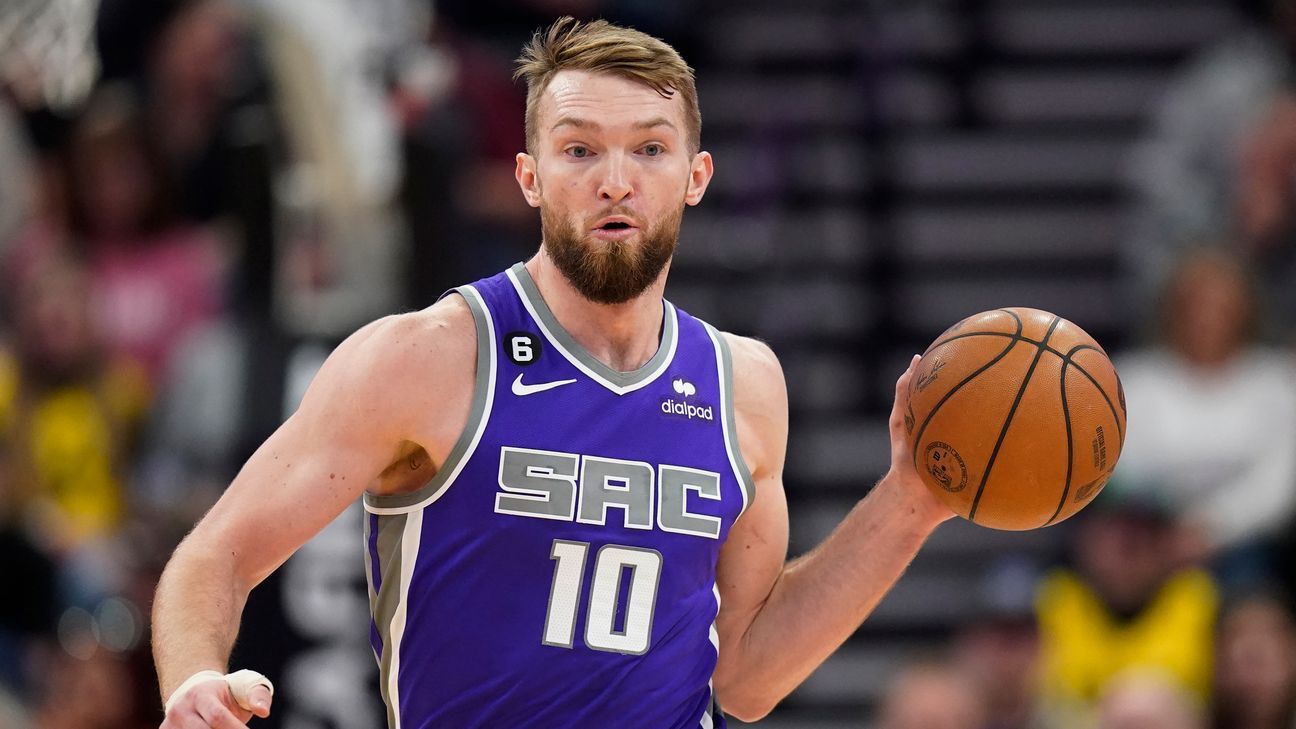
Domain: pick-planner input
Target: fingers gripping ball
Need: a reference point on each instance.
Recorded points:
(1016, 418)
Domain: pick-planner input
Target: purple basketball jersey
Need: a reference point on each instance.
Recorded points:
(560, 569)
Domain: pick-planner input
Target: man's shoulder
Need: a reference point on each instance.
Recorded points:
(427, 345)
(759, 397)
(447, 323)
(754, 363)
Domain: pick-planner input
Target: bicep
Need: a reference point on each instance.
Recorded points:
(317, 463)
(297, 482)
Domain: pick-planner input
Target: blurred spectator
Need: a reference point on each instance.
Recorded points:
(199, 71)
(272, 118)
(16, 174)
(999, 647)
(70, 409)
(1255, 675)
(466, 214)
(27, 615)
(1148, 700)
(34, 195)
(1125, 604)
(931, 695)
(190, 66)
(1212, 419)
(69, 414)
(1267, 191)
(92, 693)
(153, 279)
(1218, 163)
(204, 79)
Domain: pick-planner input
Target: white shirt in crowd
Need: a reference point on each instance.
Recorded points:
(1217, 446)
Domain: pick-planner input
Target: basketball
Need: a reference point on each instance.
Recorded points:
(1016, 418)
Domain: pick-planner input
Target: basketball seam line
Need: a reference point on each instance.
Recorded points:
(1018, 338)
(1066, 357)
(1003, 432)
(917, 439)
(1066, 418)
(1009, 312)
(1119, 430)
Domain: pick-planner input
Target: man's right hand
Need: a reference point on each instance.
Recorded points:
(219, 703)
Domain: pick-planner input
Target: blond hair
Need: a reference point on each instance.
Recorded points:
(602, 47)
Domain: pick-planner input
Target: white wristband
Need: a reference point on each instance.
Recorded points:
(240, 684)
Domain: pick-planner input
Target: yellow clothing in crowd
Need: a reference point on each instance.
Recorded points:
(68, 441)
(1084, 645)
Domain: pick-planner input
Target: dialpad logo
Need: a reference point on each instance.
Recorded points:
(682, 407)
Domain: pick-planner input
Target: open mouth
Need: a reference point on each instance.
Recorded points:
(614, 226)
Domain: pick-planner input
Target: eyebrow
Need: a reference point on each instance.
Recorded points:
(579, 123)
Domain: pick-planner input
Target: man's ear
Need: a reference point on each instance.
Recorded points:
(699, 177)
(527, 179)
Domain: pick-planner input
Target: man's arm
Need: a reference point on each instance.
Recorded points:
(779, 621)
(362, 408)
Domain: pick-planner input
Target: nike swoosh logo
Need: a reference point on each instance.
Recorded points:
(522, 390)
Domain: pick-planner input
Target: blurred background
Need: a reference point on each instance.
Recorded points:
(200, 198)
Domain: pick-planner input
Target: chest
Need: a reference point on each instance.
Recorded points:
(654, 459)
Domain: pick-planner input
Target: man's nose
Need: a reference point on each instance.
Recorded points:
(615, 185)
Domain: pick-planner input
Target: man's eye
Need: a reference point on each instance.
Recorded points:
(578, 152)
(652, 150)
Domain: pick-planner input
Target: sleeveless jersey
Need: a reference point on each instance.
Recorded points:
(560, 569)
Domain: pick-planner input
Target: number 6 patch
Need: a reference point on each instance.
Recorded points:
(522, 347)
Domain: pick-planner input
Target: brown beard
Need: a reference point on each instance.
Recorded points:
(613, 272)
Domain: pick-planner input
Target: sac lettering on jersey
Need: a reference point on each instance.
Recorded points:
(584, 488)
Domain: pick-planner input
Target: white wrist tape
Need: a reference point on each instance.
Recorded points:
(240, 684)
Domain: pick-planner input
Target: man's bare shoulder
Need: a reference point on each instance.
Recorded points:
(760, 404)
(756, 370)
(442, 335)
(405, 361)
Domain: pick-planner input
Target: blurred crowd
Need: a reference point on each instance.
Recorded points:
(190, 225)
(1173, 606)
(182, 239)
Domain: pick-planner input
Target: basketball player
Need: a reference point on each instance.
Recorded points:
(575, 507)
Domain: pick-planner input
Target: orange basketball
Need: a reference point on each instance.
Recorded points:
(1016, 418)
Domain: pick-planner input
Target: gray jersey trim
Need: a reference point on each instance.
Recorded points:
(409, 540)
(369, 581)
(724, 363)
(478, 414)
(618, 382)
(383, 604)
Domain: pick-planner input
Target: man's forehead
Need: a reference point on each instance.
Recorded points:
(605, 97)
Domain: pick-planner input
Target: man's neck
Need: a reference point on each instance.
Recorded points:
(622, 336)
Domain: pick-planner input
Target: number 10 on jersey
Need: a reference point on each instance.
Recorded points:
(605, 596)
